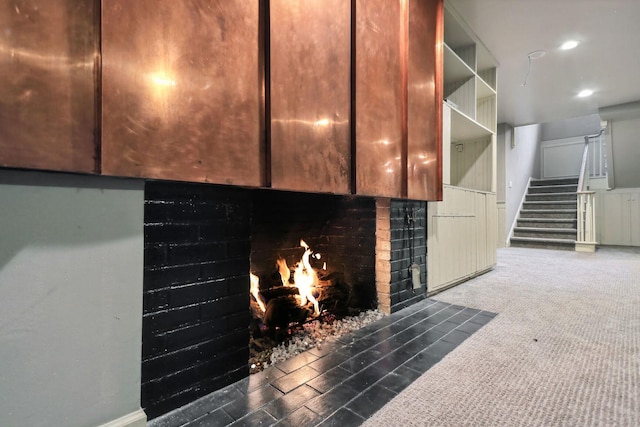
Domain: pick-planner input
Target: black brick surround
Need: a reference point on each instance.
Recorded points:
(201, 242)
(408, 237)
(196, 292)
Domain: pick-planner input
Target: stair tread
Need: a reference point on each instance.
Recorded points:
(535, 182)
(542, 239)
(548, 215)
(547, 184)
(551, 197)
(555, 186)
(549, 210)
(565, 178)
(550, 202)
(547, 219)
(547, 230)
(565, 193)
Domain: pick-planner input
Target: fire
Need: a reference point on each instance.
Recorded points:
(255, 282)
(305, 279)
(285, 273)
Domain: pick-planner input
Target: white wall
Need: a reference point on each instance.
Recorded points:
(561, 158)
(71, 259)
(521, 162)
(504, 136)
(503, 145)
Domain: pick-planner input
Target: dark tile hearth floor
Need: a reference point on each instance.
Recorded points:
(344, 382)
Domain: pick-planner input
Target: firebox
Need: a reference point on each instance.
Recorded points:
(206, 244)
(334, 233)
(312, 258)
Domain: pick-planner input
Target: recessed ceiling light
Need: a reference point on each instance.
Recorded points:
(569, 44)
(585, 92)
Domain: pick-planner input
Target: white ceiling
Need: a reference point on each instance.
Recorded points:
(606, 61)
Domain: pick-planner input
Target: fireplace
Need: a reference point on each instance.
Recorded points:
(339, 232)
(203, 241)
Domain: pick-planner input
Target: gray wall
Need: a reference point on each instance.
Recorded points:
(71, 257)
(624, 132)
(577, 126)
(564, 158)
(522, 162)
(625, 141)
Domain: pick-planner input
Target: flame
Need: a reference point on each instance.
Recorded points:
(285, 273)
(304, 277)
(255, 282)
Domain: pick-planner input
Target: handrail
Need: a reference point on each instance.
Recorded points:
(583, 168)
(585, 159)
(596, 156)
(586, 205)
(595, 135)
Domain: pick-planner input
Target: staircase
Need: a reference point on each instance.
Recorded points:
(548, 218)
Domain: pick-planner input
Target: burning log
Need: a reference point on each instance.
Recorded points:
(284, 310)
(305, 279)
(279, 298)
(334, 294)
(292, 296)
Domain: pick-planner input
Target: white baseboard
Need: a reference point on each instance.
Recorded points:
(586, 246)
(134, 419)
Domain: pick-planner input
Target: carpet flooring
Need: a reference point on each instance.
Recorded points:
(564, 349)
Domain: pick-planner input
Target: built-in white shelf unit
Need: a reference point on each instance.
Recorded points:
(463, 232)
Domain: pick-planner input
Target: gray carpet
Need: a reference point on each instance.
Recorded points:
(564, 349)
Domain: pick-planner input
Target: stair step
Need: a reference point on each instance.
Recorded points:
(553, 189)
(548, 217)
(550, 233)
(548, 213)
(549, 204)
(547, 222)
(545, 243)
(553, 181)
(551, 196)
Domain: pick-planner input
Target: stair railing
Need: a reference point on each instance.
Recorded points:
(586, 237)
(597, 156)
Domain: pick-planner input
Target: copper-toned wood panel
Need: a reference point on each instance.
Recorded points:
(424, 157)
(182, 90)
(311, 95)
(48, 57)
(379, 97)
